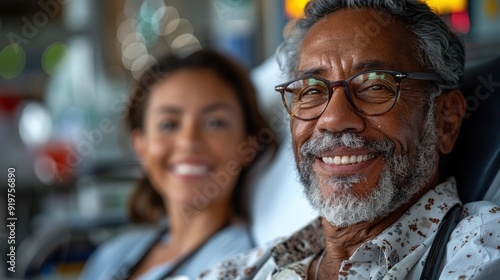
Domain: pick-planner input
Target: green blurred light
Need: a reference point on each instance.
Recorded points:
(52, 56)
(12, 61)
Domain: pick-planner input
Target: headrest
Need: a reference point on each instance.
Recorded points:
(475, 159)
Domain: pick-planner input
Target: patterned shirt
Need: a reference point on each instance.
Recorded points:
(399, 252)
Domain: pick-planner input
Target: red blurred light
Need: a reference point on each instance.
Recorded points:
(461, 22)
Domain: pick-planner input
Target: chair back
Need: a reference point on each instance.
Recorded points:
(475, 159)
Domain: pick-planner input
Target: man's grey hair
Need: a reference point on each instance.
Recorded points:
(438, 49)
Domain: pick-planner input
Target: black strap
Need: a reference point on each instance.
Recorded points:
(126, 270)
(432, 264)
(186, 257)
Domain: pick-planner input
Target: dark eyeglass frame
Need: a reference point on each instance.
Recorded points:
(396, 75)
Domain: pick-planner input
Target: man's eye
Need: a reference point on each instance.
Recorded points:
(370, 87)
(375, 93)
(311, 91)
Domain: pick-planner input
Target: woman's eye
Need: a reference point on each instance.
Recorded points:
(216, 123)
(168, 125)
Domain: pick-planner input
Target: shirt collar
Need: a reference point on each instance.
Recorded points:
(396, 242)
(415, 226)
(306, 242)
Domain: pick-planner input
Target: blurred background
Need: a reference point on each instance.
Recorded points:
(66, 67)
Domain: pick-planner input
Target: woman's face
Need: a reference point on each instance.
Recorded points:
(193, 126)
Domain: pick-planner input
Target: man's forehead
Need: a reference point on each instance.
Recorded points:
(352, 36)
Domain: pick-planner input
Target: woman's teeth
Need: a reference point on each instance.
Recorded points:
(191, 169)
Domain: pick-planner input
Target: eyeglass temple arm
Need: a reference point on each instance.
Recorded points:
(424, 76)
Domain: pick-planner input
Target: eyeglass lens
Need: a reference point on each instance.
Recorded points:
(370, 93)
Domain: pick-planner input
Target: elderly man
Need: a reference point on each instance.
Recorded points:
(374, 103)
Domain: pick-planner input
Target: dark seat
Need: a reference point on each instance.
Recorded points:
(475, 160)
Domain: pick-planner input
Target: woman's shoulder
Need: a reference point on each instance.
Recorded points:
(126, 241)
(237, 234)
(226, 243)
(117, 251)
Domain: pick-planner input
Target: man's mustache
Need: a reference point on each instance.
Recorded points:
(317, 146)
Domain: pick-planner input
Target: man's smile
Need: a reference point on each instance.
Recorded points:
(347, 159)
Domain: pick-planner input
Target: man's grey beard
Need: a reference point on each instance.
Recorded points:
(399, 180)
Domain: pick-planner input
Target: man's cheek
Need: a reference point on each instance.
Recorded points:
(299, 137)
(301, 130)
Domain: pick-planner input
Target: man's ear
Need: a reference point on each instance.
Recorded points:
(450, 110)
(139, 144)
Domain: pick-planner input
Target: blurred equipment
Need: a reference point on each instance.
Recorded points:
(61, 242)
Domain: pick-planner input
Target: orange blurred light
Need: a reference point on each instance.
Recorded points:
(294, 9)
(447, 6)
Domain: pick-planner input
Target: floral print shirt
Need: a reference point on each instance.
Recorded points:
(473, 251)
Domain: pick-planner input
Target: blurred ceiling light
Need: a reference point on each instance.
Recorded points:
(35, 124)
(132, 38)
(171, 26)
(172, 20)
(158, 21)
(160, 14)
(130, 8)
(182, 26)
(177, 28)
(185, 40)
(185, 26)
(125, 29)
(147, 21)
(134, 51)
(141, 64)
(150, 19)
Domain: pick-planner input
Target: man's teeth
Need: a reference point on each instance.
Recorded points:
(345, 160)
(191, 169)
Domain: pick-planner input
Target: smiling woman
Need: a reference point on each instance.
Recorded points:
(193, 123)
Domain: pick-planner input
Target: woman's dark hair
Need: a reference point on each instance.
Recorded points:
(145, 204)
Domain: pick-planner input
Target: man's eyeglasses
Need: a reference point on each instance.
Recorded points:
(372, 92)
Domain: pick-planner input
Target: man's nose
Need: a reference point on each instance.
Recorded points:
(340, 115)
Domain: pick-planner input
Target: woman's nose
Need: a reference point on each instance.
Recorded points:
(189, 137)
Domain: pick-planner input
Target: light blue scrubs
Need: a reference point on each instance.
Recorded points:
(121, 253)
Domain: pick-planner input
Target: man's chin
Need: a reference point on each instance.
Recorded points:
(343, 207)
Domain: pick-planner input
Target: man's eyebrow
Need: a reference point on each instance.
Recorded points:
(358, 67)
(311, 72)
(371, 65)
